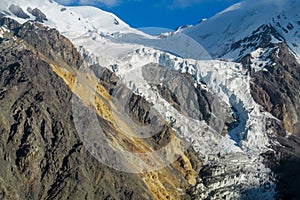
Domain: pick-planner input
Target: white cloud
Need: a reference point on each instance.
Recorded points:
(109, 3)
(184, 3)
(189, 3)
(167, 3)
(65, 2)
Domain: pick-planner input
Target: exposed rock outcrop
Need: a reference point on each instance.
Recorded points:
(18, 11)
(41, 154)
(277, 88)
(39, 15)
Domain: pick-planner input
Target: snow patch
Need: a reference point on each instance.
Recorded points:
(3, 30)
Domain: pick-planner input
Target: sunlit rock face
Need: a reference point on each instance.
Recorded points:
(206, 112)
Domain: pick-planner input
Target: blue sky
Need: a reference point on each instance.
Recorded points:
(158, 13)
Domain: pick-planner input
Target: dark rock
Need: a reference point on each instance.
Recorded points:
(41, 154)
(44, 157)
(277, 89)
(179, 90)
(29, 10)
(116, 22)
(107, 78)
(260, 38)
(50, 43)
(18, 11)
(189, 99)
(39, 15)
(284, 161)
(10, 23)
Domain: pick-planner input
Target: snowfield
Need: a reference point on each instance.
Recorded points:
(241, 20)
(235, 158)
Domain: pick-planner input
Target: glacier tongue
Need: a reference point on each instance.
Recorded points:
(234, 161)
(225, 79)
(240, 150)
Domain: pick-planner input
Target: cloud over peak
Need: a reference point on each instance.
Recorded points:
(109, 3)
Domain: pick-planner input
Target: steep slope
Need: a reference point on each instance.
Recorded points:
(238, 115)
(217, 137)
(266, 43)
(85, 26)
(42, 154)
(231, 33)
(79, 20)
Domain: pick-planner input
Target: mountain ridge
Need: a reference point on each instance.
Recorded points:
(43, 153)
(241, 20)
(246, 125)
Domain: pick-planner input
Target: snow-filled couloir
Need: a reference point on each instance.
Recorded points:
(106, 40)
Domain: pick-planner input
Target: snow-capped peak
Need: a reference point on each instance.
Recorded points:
(110, 42)
(78, 20)
(219, 33)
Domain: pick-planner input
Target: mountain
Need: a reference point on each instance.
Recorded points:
(44, 154)
(263, 41)
(92, 108)
(239, 29)
(264, 37)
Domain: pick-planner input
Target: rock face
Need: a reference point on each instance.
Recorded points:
(176, 89)
(268, 50)
(41, 154)
(276, 89)
(260, 38)
(39, 15)
(16, 10)
(284, 160)
(192, 101)
(241, 116)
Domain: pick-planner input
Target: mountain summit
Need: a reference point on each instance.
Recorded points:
(92, 108)
(231, 33)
